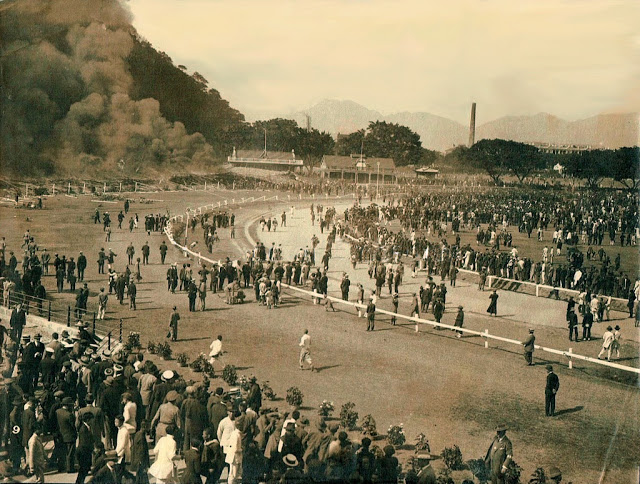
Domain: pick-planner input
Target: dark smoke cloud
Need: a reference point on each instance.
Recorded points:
(66, 105)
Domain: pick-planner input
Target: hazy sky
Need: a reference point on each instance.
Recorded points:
(574, 59)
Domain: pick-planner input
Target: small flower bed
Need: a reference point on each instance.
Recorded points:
(395, 435)
(294, 397)
(348, 416)
(368, 424)
(230, 374)
(326, 408)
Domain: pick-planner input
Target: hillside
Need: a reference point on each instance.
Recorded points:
(83, 93)
(439, 133)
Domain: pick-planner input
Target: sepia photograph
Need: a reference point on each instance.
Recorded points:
(320, 241)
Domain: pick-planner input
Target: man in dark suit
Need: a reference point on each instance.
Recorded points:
(553, 383)
(67, 429)
(17, 322)
(192, 463)
(84, 449)
(499, 455)
(529, 346)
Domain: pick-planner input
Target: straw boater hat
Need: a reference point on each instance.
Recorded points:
(167, 375)
(290, 460)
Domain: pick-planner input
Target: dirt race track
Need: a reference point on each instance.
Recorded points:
(453, 390)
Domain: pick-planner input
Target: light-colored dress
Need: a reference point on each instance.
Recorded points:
(165, 450)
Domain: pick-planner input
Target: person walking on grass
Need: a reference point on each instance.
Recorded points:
(305, 350)
(493, 306)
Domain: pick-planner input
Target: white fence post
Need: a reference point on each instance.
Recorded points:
(570, 359)
(486, 338)
(537, 290)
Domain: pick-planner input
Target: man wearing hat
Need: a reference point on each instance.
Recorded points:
(529, 346)
(17, 322)
(344, 286)
(168, 414)
(499, 455)
(426, 474)
(550, 390)
(173, 324)
(459, 321)
(160, 391)
(67, 429)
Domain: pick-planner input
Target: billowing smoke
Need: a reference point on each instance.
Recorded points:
(65, 102)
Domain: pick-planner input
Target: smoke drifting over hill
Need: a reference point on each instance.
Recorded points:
(66, 103)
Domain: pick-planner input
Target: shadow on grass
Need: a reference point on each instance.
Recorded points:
(566, 411)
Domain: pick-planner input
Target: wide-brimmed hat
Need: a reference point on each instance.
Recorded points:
(290, 460)
(425, 456)
(501, 427)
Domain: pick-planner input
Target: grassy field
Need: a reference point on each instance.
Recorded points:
(453, 390)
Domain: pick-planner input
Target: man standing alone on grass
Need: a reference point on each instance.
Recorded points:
(305, 350)
(529, 345)
(173, 325)
(371, 313)
(499, 456)
(553, 383)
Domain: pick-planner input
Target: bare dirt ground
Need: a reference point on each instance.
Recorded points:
(455, 391)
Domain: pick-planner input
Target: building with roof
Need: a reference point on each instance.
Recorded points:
(358, 169)
(267, 160)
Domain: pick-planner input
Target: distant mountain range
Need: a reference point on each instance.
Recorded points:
(438, 133)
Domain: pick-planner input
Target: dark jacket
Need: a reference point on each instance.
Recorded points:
(192, 470)
(139, 451)
(66, 425)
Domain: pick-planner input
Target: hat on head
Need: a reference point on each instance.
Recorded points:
(172, 396)
(167, 375)
(37, 336)
(501, 428)
(290, 426)
(81, 324)
(85, 359)
(549, 368)
(106, 353)
(65, 333)
(190, 389)
(460, 307)
(49, 349)
(67, 401)
(117, 368)
(58, 394)
(26, 337)
(425, 456)
(108, 372)
(290, 460)
(66, 364)
(531, 330)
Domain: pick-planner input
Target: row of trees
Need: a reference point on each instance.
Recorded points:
(499, 158)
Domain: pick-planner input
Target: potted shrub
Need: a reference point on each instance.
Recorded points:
(452, 458)
(267, 391)
(182, 359)
(368, 425)
(197, 364)
(294, 397)
(348, 416)
(422, 444)
(151, 347)
(230, 375)
(395, 436)
(164, 351)
(133, 342)
(326, 408)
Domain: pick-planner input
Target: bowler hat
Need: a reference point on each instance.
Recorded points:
(549, 368)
